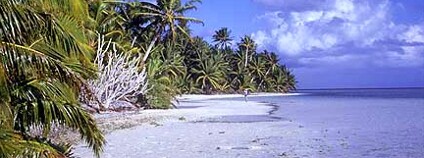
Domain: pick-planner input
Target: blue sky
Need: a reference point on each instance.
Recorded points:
(330, 43)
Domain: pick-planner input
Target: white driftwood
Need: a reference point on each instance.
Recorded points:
(118, 75)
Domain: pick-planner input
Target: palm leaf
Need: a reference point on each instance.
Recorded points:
(13, 144)
(42, 103)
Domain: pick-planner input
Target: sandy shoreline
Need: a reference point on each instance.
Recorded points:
(304, 126)
(198, 128)
(187, 107)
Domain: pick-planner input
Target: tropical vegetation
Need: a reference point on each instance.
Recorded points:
(45, 59)
(49, 55)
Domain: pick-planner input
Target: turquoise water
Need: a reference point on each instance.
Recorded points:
(369, 122)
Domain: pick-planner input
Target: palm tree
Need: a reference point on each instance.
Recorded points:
(241, 81)
(166, 16)
(271, 61)
(284, 80)
(162, 90)
(186, 84)
(107, 18)
(290, 81)
(222, 38)
(258, 71)
(210, 73)
(198, 48)
(248, 46)
(43, 64)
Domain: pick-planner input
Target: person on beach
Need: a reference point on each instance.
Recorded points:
(246, 92)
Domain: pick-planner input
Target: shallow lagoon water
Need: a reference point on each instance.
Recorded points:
(359, 122)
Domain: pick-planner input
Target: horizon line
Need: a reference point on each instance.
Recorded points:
(361, 88)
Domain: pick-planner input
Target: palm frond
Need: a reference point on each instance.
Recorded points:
(13, 144)
(45, 102)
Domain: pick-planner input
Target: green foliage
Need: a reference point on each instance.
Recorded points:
(210, 73)
(167, 16)
(44, 61)
(221, 69)
(163, 68)
(212, 69)
(13, 144)
(222, 38)
(161, 90)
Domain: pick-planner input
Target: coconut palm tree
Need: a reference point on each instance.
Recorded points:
(107, 18)
(166, 16)
(210, 73)
(284, 80)
(222, 38)
(44, 61)
(242, 81)
(187, 85)
(271, 61)
(290, 81)
(257, 69)
(248, 46)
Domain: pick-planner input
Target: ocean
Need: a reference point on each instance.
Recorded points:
(358, 122)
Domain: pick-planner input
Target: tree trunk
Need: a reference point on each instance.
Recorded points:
(247, 54)
(149, 49)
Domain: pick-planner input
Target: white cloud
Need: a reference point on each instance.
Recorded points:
(260, 38)
(343, 25)
(345, 6)
(414, 33)
(327, 60)
(410, 56)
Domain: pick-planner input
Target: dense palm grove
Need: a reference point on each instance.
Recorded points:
(47, 50)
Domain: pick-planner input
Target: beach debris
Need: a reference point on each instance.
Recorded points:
(119, 77)
(283, 154)
(155, 124)
(240, 148)
(182, 118)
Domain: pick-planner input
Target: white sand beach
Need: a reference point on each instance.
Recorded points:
(226, 126)
(196, 130)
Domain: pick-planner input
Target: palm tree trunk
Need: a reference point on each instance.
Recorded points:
(247, 53)
(260, 84)
(266, 74)
(149, 49)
